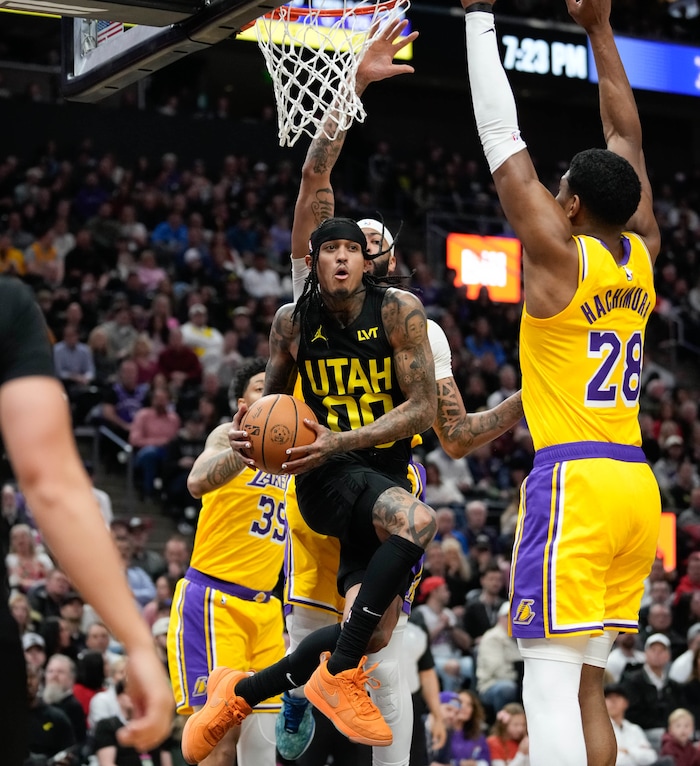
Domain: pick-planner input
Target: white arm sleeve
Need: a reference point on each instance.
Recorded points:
(492, 97)
(299, 273)
(441, 350)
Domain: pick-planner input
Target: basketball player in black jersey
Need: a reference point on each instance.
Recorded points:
(36, 430)
(367, 371)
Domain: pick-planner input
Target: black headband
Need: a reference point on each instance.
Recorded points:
(337, 228)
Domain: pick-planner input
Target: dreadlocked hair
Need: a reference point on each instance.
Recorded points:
(308, 306)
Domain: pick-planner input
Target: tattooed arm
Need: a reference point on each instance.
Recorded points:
(281, 371)
(216, 466)
(461, 432)
(316, 202)
(405, 324)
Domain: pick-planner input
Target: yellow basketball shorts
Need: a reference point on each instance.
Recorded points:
(585, 541)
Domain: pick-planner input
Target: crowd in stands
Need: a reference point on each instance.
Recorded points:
(157, 279)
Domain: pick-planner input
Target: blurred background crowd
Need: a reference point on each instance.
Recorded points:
(159, 273)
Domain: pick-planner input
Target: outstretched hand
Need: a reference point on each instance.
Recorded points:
(378, 62)
(589, 14)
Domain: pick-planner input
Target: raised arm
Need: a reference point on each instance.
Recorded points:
(217, 464)
(550, 262)
(316, 202)
(618, 109)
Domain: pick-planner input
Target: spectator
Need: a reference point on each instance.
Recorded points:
(105, 366)
(660, 620)
(22, 612)
(508, 380)
(448, 642)
(691, 687)
(207, 342)
(260, 280)
(660, 593)
(89, 679)
(179, 363)
(153, 427)
(684, 482)
(47, 599)
(81, 261)
(666, 468)
(124, 399)
(633, 747)
(170, 237)
(105, 704)
(72, 618)
(624, 655)
(160, 605)
(455, 471)
(677, 742)
(107, 745)
(690, 581)
(689, 520)
(76, 369)
(26, 566)
(498, 664)
(449, 707)
(143, 555)
(142, 354)
(482, 342)
(98, 639)
(58, 690)
(121, 333)
(477, 513)
(682, 667)
(468, 743)
(177, 556)
(11, 258)
(50, 730)
(457, 573)
(508, 742)
(140, 583)
(440, 490)
(180, 454)
(34, 648)
(482, 607)
(56, 635)
(149, 272)
(652, 694)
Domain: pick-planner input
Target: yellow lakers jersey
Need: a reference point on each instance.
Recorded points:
(242, 529)
(581, 368)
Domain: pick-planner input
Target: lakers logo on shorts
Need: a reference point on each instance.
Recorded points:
(524, 614)
(200, 686)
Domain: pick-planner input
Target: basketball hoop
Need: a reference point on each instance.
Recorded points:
(312, 49)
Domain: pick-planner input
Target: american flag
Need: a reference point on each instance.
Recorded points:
(107, 29)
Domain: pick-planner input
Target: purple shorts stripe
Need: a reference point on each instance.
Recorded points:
(230, 588)
(551, 552)
(527, 600)
(586, 450)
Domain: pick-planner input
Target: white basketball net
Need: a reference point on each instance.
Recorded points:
(312, 59)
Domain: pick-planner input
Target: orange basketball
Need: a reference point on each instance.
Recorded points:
(274, 424)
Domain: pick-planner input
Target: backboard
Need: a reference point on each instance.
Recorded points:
(109, 45)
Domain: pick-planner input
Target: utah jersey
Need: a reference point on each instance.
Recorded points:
(347, 374)
(581, 369)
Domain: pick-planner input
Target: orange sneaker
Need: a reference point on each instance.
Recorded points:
(344, 700)
(222, 711)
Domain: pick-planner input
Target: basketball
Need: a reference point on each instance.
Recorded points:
(274, 424)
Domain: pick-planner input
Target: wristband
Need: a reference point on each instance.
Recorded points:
(476, 7)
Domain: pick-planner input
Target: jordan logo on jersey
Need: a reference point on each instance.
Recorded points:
(524, 614)
(318, 335)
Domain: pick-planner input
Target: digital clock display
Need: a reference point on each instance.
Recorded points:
(545, 57)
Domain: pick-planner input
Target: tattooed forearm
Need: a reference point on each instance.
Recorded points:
(323, 153)
(460, 432)
(398, 515)
(323, 205)
(218, 470)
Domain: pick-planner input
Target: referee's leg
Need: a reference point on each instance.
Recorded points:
(14, 707)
